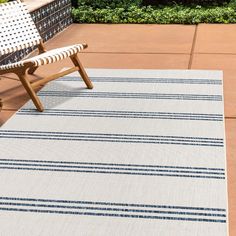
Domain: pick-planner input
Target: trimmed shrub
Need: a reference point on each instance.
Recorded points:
(127, 3)
(148, 15)
(185, 2)
(109, 3)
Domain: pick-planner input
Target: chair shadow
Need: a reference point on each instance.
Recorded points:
(50, 102)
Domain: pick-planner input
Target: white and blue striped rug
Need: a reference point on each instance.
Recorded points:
(141, 154)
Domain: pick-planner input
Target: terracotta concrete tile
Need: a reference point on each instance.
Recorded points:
(227, 64)
(135, 61)
(5, 115)
(216, 38)
(128, 38)
(122, 61)
(231, 168)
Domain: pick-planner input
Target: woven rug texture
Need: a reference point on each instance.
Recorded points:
(143, 153)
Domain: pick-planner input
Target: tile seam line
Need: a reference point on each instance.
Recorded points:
(215, 53)
(193, 47)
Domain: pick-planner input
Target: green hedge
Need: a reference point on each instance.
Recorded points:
(126, 3)
(109, 3)
(149, 15)
(185, 2)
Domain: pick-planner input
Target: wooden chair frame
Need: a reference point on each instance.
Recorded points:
(29, 67)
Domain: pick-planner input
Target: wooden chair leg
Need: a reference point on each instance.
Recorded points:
(30, 91)
(1, 104)
(32, 70)
(82, 71)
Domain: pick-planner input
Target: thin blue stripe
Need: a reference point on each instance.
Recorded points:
(113, 215)
(140, 97)
(109, 168)
(122, 114)
(112, 164)
(147, 80)
(113, 172)
(136, 139)
(115, 116)
(135, 112)
(102, 134)
(113, 204)
(113, 209)
(132, 95)
(112, 138)
(146, 138)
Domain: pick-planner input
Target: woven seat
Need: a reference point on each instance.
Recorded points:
(18, 31)
(47, 57)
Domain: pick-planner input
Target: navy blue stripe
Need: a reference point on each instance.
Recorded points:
(113, 204)
(114, 209)
(114, 116)
(113, 215)
(147, 138)
(117, 141)
(132, 95)
(102, 134)
(129, 94)
(115, 172)
(109, 168)
(147, 80)
(114, 164)
(135, 112)
(122, 114)
(127, 112)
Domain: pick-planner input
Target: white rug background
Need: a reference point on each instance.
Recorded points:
(178, 191)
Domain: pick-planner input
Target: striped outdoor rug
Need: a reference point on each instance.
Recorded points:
(141, 154)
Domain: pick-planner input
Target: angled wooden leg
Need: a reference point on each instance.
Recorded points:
(30, 91)
(32, 70)
(82, 71)
(0, 104)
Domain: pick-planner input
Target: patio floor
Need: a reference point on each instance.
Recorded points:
(150, 47)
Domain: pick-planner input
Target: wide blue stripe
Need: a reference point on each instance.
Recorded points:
(114, 164)
(112, 204)
(113, 215)
(113, 209)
